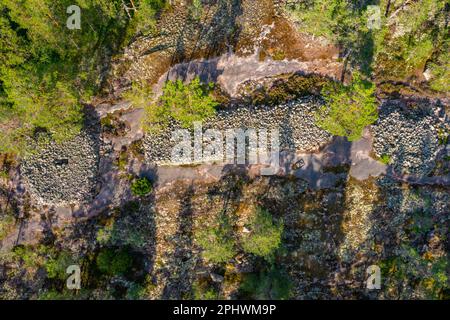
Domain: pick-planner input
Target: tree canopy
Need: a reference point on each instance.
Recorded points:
(348, 109)
(265, 234)
(184, 103)
(47, 71)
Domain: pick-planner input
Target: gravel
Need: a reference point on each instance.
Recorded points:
(63, 173)
(295, 121)
(410, 137)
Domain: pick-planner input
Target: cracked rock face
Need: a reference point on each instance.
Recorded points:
(63, 173)
(410, 138)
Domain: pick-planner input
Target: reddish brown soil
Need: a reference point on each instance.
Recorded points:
(285, 40)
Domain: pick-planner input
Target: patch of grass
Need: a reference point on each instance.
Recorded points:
(278, 55)
(32, 257)
(443, 137)
(122, 160)
(137, 149)
(104, 234)
(107, 121)
(66, 294)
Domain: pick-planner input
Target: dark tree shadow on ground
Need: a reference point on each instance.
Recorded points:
(179, 276)
(216, 36)
(312, 227)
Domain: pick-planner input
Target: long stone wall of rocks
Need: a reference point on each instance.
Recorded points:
(294, 120)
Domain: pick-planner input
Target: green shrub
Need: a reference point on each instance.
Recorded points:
(196, 9)
(31, 256)
(56, 267)
(265, 235)
(114, 262)
(136, 291)
(140, 95)
(184, 103)
(348, 109)
(217, 242)
(122, 160)
(385, 158)
(104, 234)
(141, 187)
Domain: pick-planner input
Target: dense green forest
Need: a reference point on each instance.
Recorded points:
(395, 43)
(48, 71)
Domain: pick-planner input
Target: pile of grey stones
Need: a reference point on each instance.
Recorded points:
(294, 120)
(63, 173)
(410, 137)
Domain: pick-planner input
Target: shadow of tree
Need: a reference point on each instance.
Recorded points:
(213, 39)
(178, 268)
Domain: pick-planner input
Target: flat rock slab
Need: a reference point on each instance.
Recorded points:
(230, 70)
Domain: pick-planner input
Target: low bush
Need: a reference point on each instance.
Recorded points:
(56, 267)
(141, 187)
(265, 235)
(202, 290)
(217, 242)
(184, 103)
(349, 109)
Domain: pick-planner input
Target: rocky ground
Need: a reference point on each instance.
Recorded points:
(63, 173)
(410, 137)
(74, 199)
(294, 120)
(224, 27)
